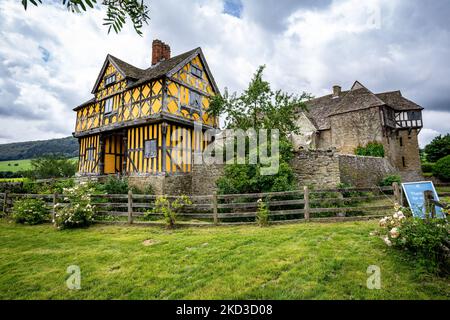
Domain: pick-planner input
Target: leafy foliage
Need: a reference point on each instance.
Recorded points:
(30, 211)
(77, 209)
(427, 239)
(389, 180)
(371, 149)
(262, 214)
(441, 168)
(169, 209)
(438, 148)
(52, 166)
(114, 185)
(117, 11)
(259, 107)
(427, 167)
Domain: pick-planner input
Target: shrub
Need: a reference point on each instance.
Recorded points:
(372, 149)
(115, 185)
(438, 148)
(77, 209)
(389, 180)
(30, 211)
(168, 209)
(427, 167)
(442, 168)
(262, 214)
(52, 166)
(426, 239)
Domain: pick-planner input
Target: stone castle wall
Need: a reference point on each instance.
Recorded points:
(364, 171)
(318, 169)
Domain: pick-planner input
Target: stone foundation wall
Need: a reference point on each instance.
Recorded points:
(142, 183)
(364, 171)
(204, 178)
(169, 184)
(318, 169)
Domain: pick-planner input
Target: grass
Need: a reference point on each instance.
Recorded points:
(11, 179)
(19, 165)
(302, 261)
(15, 165)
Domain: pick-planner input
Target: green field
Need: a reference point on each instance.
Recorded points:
(15, 165)
(302, 261)
(18, 165)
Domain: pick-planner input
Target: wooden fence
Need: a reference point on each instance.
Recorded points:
(289, 206)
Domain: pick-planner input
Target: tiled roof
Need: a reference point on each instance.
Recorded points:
(162, 68)
(396, 101)
(359, 98)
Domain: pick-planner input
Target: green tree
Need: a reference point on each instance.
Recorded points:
(259, 107)
(117, 11)
(438, 148)
(442, 168)
(52, 166)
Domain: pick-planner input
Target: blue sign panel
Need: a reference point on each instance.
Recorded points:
(414, 194)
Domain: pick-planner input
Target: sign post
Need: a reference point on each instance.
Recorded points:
(414, 192)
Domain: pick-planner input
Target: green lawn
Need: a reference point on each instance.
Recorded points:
(15, 165)
(19, 165)
(302, 261)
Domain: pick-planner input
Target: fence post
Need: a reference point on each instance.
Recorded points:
(430, 207)
(130, 206)
(397, 193)
(306, 206)
(214, 200)
(5, 201)
(55, 201)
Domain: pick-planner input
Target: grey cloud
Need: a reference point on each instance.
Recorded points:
(272, 14)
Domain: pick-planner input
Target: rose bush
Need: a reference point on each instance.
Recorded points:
(426, 239)
(77, 209)
(30, 211)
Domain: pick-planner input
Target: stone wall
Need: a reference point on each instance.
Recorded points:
(364, 171)
(163, 184)
(352, 129)
(327, 169)
(402, 148)
(201, 181)
(318, 169)
(204, 178)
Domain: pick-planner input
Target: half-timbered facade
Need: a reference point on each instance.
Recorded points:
(141, 121)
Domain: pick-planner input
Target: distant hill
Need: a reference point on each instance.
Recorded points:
(33, 149)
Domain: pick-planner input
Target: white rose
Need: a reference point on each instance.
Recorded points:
(394, 233)
(387, 241)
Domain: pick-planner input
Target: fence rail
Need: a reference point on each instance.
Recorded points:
(296, 205)
(284, 207)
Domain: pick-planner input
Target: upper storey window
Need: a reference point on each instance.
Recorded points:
(195, 99)
(196, 71)
(109, 105)
(110, 80)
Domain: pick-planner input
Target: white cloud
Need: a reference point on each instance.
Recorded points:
(307, 46)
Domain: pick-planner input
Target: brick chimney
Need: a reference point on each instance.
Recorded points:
(336, 91)
(160, 51)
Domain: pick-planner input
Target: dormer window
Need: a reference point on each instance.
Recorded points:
(109, 105)
(110, 80)
(196, 71)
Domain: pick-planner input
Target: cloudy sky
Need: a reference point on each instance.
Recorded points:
(49, 58)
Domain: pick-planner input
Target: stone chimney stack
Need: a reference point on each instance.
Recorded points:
(160, 51)
(336, 91)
